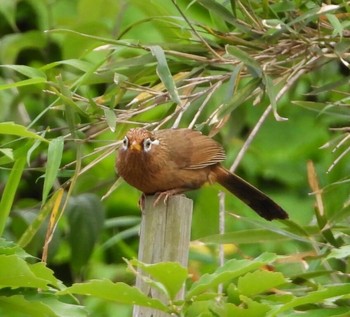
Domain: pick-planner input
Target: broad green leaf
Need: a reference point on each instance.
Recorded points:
(45, 306)
(12, 128)
(15, 272)
(259, 281)
(249, 309)
(171, 275)
(228, 271)
(40, 270)
(164, 73)
(10, 248)
(116, 292)
(85, 216)
(54, 157)
(18, 305)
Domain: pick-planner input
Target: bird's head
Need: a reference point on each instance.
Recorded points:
(139, 140)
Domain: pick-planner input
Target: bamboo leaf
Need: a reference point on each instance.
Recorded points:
(111, 118)
(252, 65)
(250, 236)
(33, 228)
(26, 82)
(325, 293)
(271, 92)
(337, 26)
(10, 190)
(54, 157)
(27, 71)
(12, 128)
(240, 96)
(164, 73)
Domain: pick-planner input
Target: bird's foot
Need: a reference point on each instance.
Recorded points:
(165, 195)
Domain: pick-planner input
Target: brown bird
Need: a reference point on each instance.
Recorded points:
(172, 161)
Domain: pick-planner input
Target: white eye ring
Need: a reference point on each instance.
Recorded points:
(147, 144)
(125, 143)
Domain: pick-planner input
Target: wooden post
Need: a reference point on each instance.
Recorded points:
(164, 236)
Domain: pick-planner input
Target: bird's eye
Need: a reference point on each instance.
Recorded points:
(125, 143)
(147, 144)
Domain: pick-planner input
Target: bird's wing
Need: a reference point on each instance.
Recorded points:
(190, 149)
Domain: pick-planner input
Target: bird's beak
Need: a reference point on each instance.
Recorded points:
(134, 146)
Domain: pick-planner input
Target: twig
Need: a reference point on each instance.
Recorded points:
(290, 82)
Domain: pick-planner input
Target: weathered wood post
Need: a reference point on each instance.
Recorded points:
(164, 236)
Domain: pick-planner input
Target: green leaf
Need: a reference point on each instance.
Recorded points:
(340, 253)
(10, 190)
(223, 13)
(84, 66)
(164, 73)
(15, 272)
(8, 10)
(337, 26)
(259, 281)
(40, 270)
(10, 248)
(245, 236)
(111, 118)
(171, 275)
(8, 152)
(240, 96)
(27, 71)
(54, 157)
(271, 92)
(12, 128)
(26, 82)
(45, 306)
(325, 293)
(249, 309)
(228, 271)
(252, 65)
(116, 292)
(85, 216)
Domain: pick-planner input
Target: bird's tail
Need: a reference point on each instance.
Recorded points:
(250, 195)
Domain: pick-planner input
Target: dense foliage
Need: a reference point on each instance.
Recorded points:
(268, 80)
